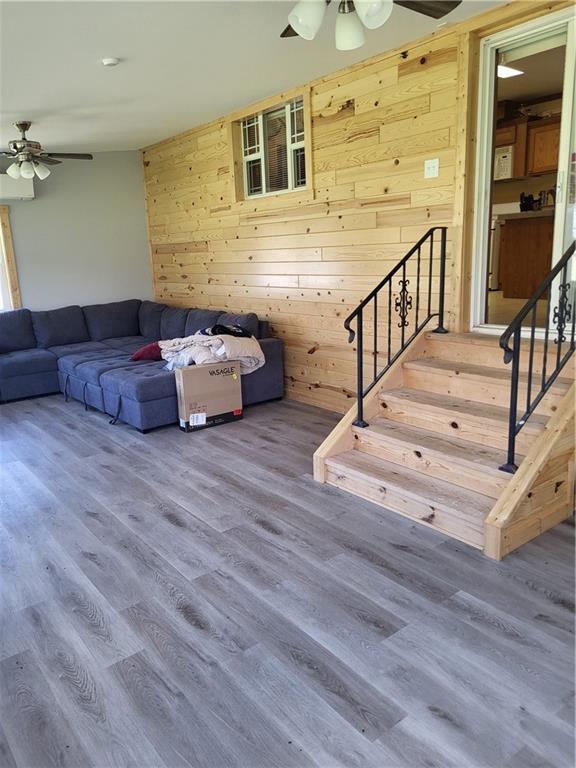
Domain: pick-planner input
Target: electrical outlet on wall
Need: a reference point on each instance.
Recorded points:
(431, 168)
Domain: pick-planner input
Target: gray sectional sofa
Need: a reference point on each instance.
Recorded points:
(85, 352)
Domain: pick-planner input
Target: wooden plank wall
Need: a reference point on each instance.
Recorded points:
(304, 261)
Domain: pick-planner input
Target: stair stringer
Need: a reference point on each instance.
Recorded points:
(541, 492)
(342, 437)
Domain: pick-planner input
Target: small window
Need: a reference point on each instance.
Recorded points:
(273, 152)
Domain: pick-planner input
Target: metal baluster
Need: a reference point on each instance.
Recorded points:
(531, 360)
(403, 307)
(389, 320)
(375, 336)
(563, 299)
(430, 274)
(359, 372)
(573, 302)
(417, 289)
(441, 287)
(546, 334)
(510, 465)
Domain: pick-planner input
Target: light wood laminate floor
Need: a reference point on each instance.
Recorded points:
(198, 601)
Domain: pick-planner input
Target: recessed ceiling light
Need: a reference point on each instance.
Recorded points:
(111, 61)
(504, 71)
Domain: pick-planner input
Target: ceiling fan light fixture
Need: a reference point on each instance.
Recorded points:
(14, 170)
(373, 13)
(41, 170)
(27, 169)
(349, 30)
(306, 17)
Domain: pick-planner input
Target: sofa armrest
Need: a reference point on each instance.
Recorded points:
(267, 383)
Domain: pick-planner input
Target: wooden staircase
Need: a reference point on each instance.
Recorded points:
(437, 434)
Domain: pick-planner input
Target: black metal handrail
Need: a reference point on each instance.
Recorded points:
(563, 316)
(404, 305)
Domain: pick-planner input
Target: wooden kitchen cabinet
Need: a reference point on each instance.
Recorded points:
(525, 254)
(543, 146)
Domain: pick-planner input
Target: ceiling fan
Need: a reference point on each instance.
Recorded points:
(29, 157)
(306, 17)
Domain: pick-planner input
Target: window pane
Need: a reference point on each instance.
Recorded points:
(297, 115)
(250, 138)
(254, 177)
(275, 151)
(299, 160)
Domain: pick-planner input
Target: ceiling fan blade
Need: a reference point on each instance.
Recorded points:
(289, 32)
(7, 153)
(436, 9)
(71, 155)
(47, 160)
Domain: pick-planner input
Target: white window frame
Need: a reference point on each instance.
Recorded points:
(260, 154)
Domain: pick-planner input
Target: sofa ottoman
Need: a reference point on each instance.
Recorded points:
(144, 396)
(78, 380)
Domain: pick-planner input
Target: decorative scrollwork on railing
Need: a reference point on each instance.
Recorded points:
(562, 313)
(403, 303)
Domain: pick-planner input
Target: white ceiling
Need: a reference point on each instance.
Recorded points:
(183, 63)
(543, 76)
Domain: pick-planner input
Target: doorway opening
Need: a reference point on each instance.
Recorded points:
(524, 177)
(525, 156)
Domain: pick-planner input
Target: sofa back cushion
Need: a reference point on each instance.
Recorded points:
(173, 323)
(263, 329)
(118, 318)
(149, 316)
(16, 331)
(198, 319)
(54, 327)
(249, 321)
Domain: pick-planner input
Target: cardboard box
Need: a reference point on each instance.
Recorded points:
(208, 395)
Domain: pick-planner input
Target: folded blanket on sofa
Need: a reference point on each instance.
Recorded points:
(200, 350)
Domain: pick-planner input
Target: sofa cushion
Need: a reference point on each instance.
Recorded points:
(263, 329)
(55, 327)
(26, 361)
(128, 343)
(149, 316)
(249, 321)
(118, 318)
(198, 319)
(92, 370)
(16, 331)
(69, 363)
(141, 382)
(173, 323)
(74, 349)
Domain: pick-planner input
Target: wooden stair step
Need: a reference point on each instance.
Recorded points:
(450, 458)
(474, 421)
(483, 383)
(458, 512)
(484, 349)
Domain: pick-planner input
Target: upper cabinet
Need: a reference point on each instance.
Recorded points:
(543, 146)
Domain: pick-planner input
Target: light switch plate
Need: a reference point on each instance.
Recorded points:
(431, 168)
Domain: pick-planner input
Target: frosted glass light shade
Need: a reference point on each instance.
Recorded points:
(373, 13)
(306, 17)
(349, 32)
(41, 170)
(13, 170)
(27, 170)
